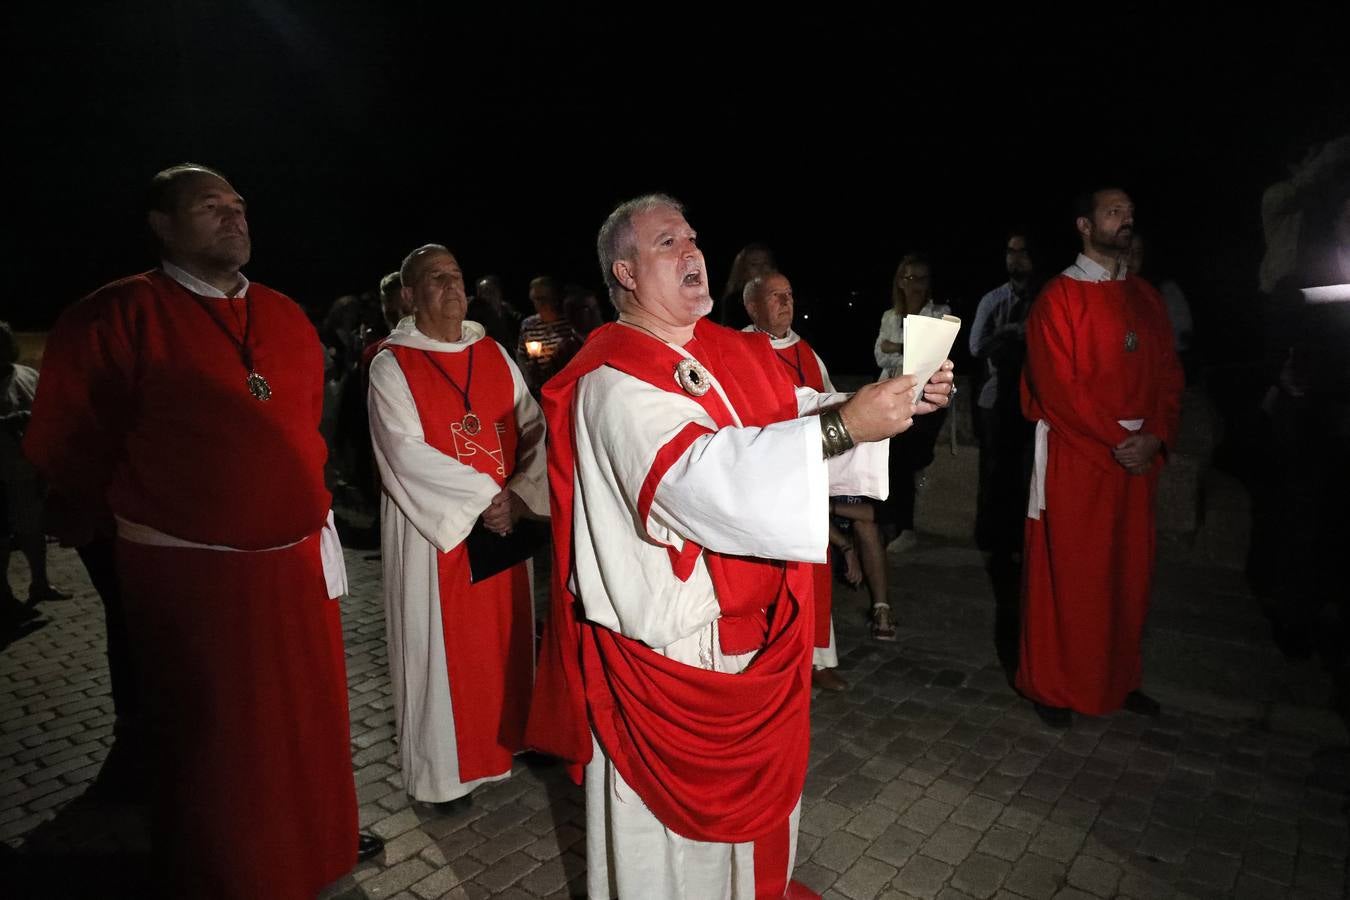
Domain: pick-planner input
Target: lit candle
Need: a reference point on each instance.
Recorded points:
(534, 348)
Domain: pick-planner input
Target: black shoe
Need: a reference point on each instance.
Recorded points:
(1054, 716)
(457, 805)
(368, 846)
(41, 593)
(12, 612)
(1142, 704)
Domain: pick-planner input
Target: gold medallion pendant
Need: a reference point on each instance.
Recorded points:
(470, 424)
(258, 386)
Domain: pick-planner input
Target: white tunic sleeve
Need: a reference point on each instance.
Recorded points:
(862, 471)
(530, 478)
(439, 495)
(747, 491)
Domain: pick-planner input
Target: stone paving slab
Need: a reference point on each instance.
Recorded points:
(928, 778)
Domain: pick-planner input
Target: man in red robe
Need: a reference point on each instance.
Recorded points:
(1103, 385)
(460, 446)
(689, 483)
(179, 410)
(769, 303)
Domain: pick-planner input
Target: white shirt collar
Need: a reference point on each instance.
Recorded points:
(786, 340)
(1087, 269)
(197, 286)
(406, 334)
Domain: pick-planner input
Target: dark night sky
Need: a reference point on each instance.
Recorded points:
(357, 131)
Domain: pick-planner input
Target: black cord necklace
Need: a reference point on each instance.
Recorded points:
(257, 384)
(470, 423)
(794, 366)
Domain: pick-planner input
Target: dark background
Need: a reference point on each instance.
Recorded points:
(843, 138)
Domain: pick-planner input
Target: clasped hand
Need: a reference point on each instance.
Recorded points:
(1136, 452)
(503, 512)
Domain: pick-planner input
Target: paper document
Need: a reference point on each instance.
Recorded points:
(928, 344)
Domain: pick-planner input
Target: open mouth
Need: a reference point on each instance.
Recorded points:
(693, 279)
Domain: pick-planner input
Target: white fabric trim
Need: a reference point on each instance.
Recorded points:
(1036, 494)
(826, 657)
(330, 548)
(406, 334)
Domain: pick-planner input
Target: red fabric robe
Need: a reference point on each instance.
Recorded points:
(801, 365)
(1089, 558)
(715, 756)
(489, 641)
(143, 411)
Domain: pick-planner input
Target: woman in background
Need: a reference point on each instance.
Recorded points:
(912, 451)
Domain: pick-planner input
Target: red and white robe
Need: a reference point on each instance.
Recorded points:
(461, 655)
(681, 524)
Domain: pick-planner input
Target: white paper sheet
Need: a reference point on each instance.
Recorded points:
(928, 344)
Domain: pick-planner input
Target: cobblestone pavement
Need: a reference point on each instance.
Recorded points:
(929, 777)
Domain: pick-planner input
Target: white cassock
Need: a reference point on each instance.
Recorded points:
(430, 503)
(760, 492)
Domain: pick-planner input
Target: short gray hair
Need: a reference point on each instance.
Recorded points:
(407, 270)
(616, 239)
(755, 285)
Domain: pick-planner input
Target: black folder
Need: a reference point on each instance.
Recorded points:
(491, 553)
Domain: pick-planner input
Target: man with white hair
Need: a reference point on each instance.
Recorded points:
(690, 484)
(770, 304)
(459, 443)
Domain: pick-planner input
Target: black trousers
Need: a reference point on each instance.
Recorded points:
(911, 453)
(100, 562)
(1006, 455)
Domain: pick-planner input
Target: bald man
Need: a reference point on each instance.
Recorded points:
(179, 411)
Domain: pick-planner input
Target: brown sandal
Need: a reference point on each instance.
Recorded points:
(883, 627)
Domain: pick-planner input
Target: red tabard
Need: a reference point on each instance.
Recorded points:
(147, 396)
(244, 686)
(489, 642)
(143, 410)
(1089, 558)
(715, 756)
(803, 368)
